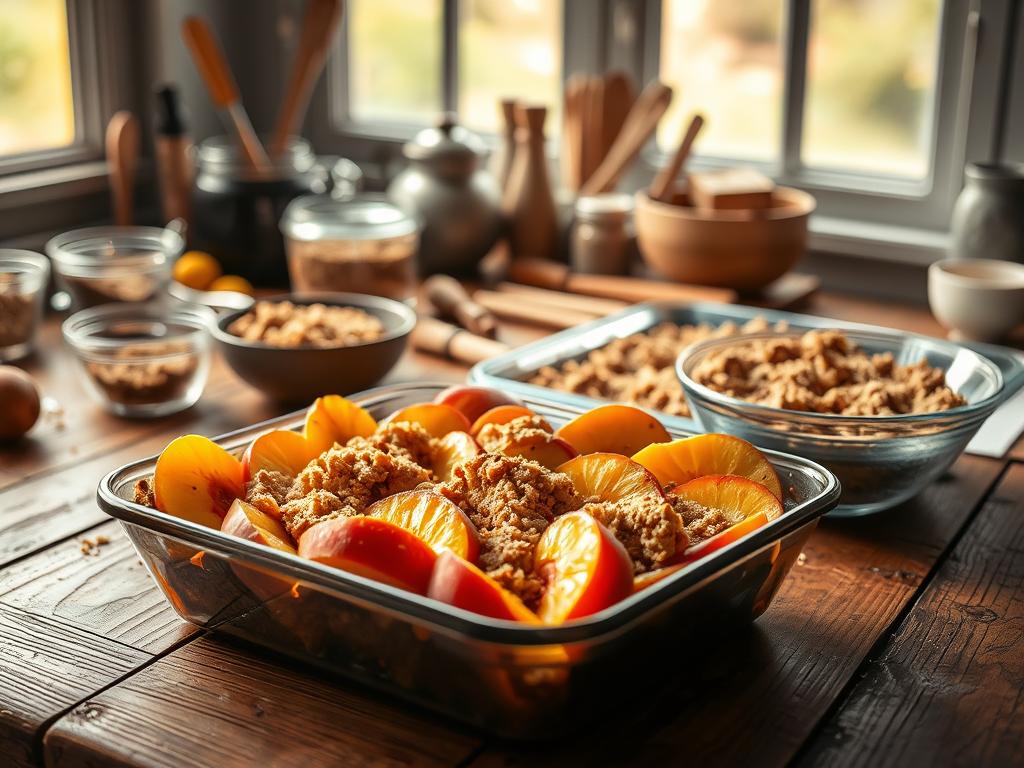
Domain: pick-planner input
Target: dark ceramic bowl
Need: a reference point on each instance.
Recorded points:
(300, 374)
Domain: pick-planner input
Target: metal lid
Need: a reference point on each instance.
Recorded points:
(367, 217)
(607, 206)
(449, 148)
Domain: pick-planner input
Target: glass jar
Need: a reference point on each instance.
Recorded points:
(142, 360)
(236, 209)
(99, 265)
(602, 239)
(23, 279)
(362, 245)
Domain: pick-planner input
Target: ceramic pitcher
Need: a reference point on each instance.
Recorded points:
(988, 218)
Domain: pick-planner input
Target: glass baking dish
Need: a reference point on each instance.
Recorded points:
(513, 680)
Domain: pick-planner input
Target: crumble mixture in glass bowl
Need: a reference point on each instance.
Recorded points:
(285, 324)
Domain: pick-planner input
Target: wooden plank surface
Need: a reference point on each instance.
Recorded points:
(210, 703)
(949, 687)
(756, 697)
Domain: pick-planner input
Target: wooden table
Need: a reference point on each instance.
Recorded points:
(897, 639)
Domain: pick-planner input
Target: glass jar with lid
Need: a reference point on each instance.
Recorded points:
(362, 245)
(236, 208)
(602, 238)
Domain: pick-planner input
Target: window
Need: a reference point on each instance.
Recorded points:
(411, 59)
(36, 105)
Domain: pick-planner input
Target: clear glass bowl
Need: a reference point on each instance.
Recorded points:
(100, 265)
(880, 460)
(142, 360)
(23, 279)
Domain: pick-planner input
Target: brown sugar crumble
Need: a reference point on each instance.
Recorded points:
(511, 501)
(525, 430)
(825, 372)
(284, 324)
(401, 438)
(149, 373)
(699, 522)
(653, 534)
(91, 547)
(640, 368)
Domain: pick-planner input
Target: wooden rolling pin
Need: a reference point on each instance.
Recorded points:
(557, 277)
(524, 310)
(591, 305)
(440, 338)
(451, 300)
(122, 146)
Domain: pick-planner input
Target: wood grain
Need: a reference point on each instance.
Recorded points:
(947, 688)
(108, 593)
(46, 668)
(778, 678)
(211, 703)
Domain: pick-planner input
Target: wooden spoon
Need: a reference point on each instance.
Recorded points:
(661, 187)
(639, 126)
(122, 146)
(572, 136)
(318, 29)
(213, 68)
(619, 95)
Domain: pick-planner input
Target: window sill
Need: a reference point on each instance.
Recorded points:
(882, 242)
(32, 187)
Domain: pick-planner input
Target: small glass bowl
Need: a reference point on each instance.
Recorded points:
(881, 461)
(23, 279)
(100, 265)
(142, 360)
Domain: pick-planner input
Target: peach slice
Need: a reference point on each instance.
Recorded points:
(645, 580)
(548, 451)
(432, 518)
(612, 477)
(451, 450)
(279, 450)
(613, 429)
(585, 567)
(435, 418)
(474, 401)
(333, 419)
(503, 414)
(726, 537)
(737, 497)
(460, 583)
(711, 454)
(246, 522)
(371, 547)
(195, 479)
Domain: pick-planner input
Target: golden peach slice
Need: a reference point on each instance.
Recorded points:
(333, 419)
(502, 414)
(613, 429)
(450, 451)
(457, 582)
(737, 497)
(472, 400)
(712, 454)
(195, 479)
(612, 477)
(437, 419)
(279, 450)
(246, 522)
(547, 450)
(585, 568)
(432, 518)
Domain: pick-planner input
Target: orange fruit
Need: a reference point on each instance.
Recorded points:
(502, 414)
(737, 497)
(460, 583)
(234, 283)
(195, 479)
(333, 419)
(196, 269)
(436, 418)
(612, 477)
(280, 450)
(451, 450)
(432, 518)
(712, 454)
(613, 429)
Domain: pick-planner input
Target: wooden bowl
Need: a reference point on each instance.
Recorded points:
(743, 250)
(300, 374)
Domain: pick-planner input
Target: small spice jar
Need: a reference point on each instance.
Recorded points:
(23, 279)
(602, 238)
(99, 265)
(362, 245)
(142, 360)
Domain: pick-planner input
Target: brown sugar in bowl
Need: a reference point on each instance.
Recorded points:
(743, 250)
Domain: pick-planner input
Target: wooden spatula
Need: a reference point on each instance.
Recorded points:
(593, 143)
(318, 30)
(571, 164)
(639, 126)
(122, 146)
(661, 187)
(619, 95)
(213, 68)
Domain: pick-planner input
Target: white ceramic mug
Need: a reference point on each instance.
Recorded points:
(977, 299)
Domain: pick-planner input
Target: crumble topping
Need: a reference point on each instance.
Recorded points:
(267, 491)
(144, 493)
(652, 534)
(511, 501)
(699, 522)
(525, 430)
(825, 372)
(284, 324)
(403, 438)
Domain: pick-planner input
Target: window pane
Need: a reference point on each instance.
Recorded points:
(36, 109)
(509, 49)
(871, 72)
(724, 59)
(395, 60)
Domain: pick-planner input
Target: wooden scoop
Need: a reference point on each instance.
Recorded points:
(122, 146)
(447, 294)
(640, 124)
(213, 68)
(661, 187)
(318, 29)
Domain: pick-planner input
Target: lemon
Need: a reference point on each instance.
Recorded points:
(231, 283)
(196, 269)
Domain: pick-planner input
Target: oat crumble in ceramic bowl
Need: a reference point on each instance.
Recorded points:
(888, 415)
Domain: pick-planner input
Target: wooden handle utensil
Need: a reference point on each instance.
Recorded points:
(525, 310)
(558, 300)
(318, 29)
(122, 147)
(214, 70)
(639, 126)
(661, 187)
(440, 338)
(447, 294)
